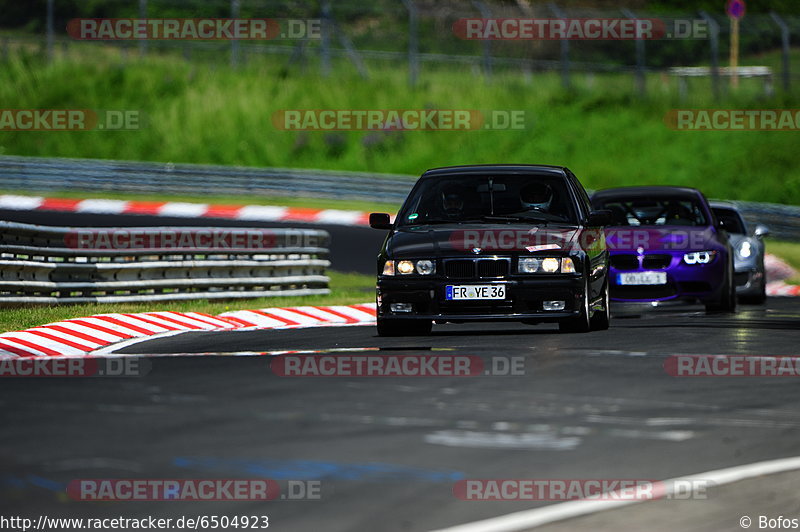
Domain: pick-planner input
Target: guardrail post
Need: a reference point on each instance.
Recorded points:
(565, 67)
(641, 85)
(714, 40)
(413, 42)
(486, 44)
(325, 38)
(785, 74)
(235, 5)
(142, 15)
(50, 30)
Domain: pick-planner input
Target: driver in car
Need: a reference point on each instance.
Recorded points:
(452, 202)
(536, 197)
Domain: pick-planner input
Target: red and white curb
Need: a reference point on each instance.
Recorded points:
(245, 213)
(98, 334)
(777, 272)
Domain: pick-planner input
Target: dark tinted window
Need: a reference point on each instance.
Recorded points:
(730, 220)
(654, 211)
(461, 198)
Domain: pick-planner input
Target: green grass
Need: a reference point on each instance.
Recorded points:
(346, 288)
(205, 113)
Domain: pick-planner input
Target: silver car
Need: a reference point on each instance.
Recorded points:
(748, 256)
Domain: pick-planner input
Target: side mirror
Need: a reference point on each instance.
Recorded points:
(761, 230)
(380, 220)
(601, 217)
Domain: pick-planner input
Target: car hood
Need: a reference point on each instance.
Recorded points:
(674, 238)
(462, 239)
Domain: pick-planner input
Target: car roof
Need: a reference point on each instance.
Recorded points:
(723, 205)
(496, 169)
(646, 191)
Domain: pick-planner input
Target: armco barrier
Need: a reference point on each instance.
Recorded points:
(97, 176)
(51, 265)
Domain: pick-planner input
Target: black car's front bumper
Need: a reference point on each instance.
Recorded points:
(523, 299)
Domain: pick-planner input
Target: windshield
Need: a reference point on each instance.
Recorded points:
(655, 211)
(730, 220)
(465, 198)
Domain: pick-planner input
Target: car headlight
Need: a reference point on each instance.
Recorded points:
(699, 257)
(545, 265)
(404, 267)
(407, 267)
(745, 249)
(425, 267)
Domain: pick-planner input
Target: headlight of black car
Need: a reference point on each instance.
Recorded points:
(545, 265)
(408, 267)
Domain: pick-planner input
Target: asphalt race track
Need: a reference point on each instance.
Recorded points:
(387, 451)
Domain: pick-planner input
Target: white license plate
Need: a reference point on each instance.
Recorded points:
(639, 278)
(475, 291)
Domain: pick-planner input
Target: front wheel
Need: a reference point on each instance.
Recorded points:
(581, 322)
(601, 319)
(390, 327)
(727, 299)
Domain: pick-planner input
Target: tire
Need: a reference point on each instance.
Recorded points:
(600, 320)
(580, 323)
(390, 327)
(727, 299)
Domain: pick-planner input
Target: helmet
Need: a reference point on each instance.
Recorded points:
(536, 196)
(452, 201)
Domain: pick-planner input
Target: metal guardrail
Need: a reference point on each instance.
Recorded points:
(43, 174)
(53, 265)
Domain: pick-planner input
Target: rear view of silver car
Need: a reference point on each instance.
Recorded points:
(748, 252)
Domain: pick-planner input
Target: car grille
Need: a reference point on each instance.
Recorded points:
(741, 278)
(656, 262)
(695, 286)
(625, 262)
(476, 268)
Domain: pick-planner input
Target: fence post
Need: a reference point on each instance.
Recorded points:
(235, 5)
(486, 43)
(785, 46)
(325, 41)
(142, 15)
(714, 39)
(565, 67)
(50, 30)
(641, 85)
(413, 41)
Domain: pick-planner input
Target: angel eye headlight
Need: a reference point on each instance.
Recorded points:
(425, 267)
(699, 257)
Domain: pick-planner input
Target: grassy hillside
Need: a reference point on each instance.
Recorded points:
(205, 113)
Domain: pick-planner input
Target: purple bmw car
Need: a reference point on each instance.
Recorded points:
(664, 244)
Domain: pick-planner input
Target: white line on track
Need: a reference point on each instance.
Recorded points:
(537, 517)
